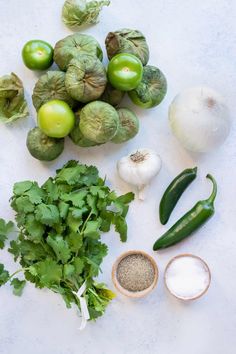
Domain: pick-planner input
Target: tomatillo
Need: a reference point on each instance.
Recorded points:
(37, 55)
(151, 90)
(125, 71)
(56, 119)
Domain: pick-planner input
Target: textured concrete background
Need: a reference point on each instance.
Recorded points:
(193, 42)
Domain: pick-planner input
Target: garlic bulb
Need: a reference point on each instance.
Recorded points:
(139, 168)
(199, 118)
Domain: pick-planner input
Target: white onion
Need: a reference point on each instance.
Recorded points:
(199, 118)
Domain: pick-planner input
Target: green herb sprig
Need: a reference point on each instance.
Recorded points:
(60, 225)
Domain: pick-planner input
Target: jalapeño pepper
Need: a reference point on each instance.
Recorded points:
(190, 222)
(174, 192)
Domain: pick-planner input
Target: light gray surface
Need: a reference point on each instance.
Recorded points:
(193, 42)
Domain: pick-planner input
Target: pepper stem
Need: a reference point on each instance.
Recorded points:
(214, 190)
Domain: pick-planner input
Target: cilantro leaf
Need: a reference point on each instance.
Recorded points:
(63, 209)
(103, 291)
(92, 201)
(90, 176)
(121, 203)
(34, 228)
(35, 194)
(60, 247)
(66, 294)
(70, 273)
(107, 218)
(99, 297)
(73, 223)
(5, 229)
(92, 229)
(95, 253)
(126, 198)
(18, 286)
(79, 265)
(47, 214)
(77, 198)
(120, 227)
(112, 196)
(121, 209)
(68, 270)
(101, 191)
(70, 163)
(70, 175)
(21, 187)
(51, 189)
(14, 249)
(4, 275)
(78, 213)
(30, 251)
(75, 241)
(23, 204)
(48, 272)
(20, 219)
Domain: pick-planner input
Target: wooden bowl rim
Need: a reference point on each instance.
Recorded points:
(137, 294)
(192, 297)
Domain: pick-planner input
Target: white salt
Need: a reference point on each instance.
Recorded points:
(187, 277)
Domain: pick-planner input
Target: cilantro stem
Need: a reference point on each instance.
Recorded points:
(85, 223)
(70, 285)
(16, 272)
(43, 246)
(95, 294)
(83, 228)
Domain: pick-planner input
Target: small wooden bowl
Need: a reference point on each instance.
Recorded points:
(132, 294)
(192, 297)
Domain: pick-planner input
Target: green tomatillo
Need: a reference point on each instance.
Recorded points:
(125, 71)
(151, 90)
(37, 55)
(42, 147)
(56, 119)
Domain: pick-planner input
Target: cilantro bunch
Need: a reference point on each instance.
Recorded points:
(60, 224)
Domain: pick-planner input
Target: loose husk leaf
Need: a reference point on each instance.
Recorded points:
(76, 13)
(12, 102)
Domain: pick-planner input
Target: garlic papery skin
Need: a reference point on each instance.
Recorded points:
(139, 168)
(200, 119)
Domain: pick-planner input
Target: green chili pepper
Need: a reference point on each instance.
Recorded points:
(190, 222)
(174, 192)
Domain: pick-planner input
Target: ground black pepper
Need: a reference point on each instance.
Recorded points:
(135, 272)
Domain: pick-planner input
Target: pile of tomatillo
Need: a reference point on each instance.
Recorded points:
(82, 99)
